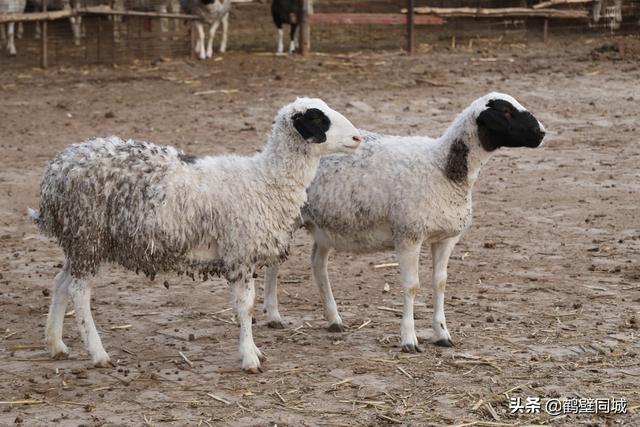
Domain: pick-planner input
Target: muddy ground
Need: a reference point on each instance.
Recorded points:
(543, 291)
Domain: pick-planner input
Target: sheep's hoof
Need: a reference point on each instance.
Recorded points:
(411, 348)
(444, 342)
(254, 370)
(104, 363)
(336, 327)
(275, 324)
(253, 320)
(60, 355)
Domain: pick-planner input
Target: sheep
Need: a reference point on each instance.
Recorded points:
(11, 7)
(149, 208)
(212, 12)
(75, 21)
(286, 12)
(612, 10)
(401, 192)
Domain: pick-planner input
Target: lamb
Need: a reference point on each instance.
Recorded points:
(149, 208)
(11, 7)
(212, 12)
(400, 193)
(286, 12)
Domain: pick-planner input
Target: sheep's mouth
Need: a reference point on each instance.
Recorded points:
(356, 143)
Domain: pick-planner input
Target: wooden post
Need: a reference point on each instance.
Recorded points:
(98, 38)
(45, 48)
(411, 39)
(305, 27)
(545, 30)
(192, 40)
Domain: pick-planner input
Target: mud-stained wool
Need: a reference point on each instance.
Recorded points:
(146, 207)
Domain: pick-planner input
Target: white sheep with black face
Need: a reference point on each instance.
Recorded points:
(149, 208)
(400, 193)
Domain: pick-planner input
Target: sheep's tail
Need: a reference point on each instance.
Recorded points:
(34, 214)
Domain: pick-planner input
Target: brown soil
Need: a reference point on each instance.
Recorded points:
(543, 291)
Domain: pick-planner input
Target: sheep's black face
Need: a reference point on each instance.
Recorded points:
(312, 125)
(503, 125)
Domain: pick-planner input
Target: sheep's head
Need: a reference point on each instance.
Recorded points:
(313, 122)
(503, 122)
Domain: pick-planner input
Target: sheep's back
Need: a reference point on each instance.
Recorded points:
(392, 186)
(12, 6)
(106, 200)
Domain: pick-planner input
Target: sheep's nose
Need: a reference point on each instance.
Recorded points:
(357, 139)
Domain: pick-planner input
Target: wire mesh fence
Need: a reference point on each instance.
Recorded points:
(83, 37)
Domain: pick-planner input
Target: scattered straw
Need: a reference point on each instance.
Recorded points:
(280, 397)
(22, 402)
(344, 381)
(219, 399)
(404, 372)
(387, 265)
(186, 359)
(393, 420)
(117, 327)
(393, 310)
(364, 324)
(492, 411)
(223, 320)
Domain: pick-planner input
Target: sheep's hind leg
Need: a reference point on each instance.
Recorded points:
(441, 251)
(244, 294)
(408, 260)
(212, 35)
(270, 306)
(280, 48)
(319, 260)
(225, 30)
(200, 47)
(292, 38)
(55, 319)
(11, 47)
(81, 294)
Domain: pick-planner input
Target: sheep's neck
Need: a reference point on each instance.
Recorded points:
(476, 156)
(282, 167)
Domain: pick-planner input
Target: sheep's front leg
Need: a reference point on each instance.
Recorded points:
(212, 34)
(270, 306)
(81, 294)
(244, 294)
(11, 47)
(280, 48)
(409, 260)
(200, 47)
(292, 38)
(164, 22)
(55, 319)
(441, 251)
(225, 29)
(319, 260)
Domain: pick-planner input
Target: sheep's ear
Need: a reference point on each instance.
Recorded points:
(312, 125)
(494, 120)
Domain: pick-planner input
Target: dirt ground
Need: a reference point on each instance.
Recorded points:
(543, 291)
